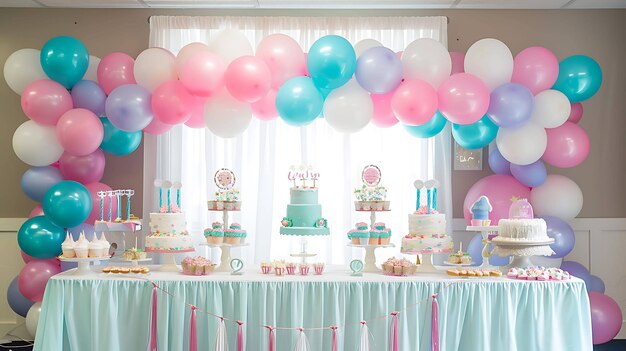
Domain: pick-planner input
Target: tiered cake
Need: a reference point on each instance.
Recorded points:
(168, 229)
(304, 213)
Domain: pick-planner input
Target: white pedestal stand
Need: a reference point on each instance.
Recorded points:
(426, 263)
(133, 262)
(169, 259)
(303, 254)
(523, 251)
(370, 256)
(225, 256)
(485, 231)
(83, 264)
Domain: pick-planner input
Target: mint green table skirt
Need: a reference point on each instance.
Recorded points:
(98, 313)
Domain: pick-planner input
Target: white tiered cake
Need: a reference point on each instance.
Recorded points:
(168, 232)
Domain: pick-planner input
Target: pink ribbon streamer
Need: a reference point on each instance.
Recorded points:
(270, 342)
(394, 331)
(334, 339)
(152, 346)
(193, 338)
(434, 330)
(239, 336)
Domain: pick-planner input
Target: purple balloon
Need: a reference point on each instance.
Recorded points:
(475, 249)
(83, 169)
(128, 108)
(87, 94)
(68, 265)
(37, 180)
(606, 317)
(577, 270)
(87, 228)
(597, 284)
(19, 304)
(563, 235)
(531, 175)
(378, 70)
(510, 105)
(498, 164)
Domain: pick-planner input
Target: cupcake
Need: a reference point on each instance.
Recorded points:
(291, 268)
(319, 268)
(466, 258)
(360, 235)
(105, 245)
(279, 267)
(94, 247)
(81, 247)
(374, 237)
(266, 267)
(234, 234)
(197, 265)
(215, 234)
(384, 233)
(68, 247)
(304, 268)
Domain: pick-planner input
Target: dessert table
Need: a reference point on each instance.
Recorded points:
(104, 312)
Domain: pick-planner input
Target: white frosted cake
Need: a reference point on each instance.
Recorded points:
(427, 234)
(168, 232)
(522, 230)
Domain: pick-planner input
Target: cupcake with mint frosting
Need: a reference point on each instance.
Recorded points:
(234, 234)
(360, 235)
(215, 234)
(383, 233)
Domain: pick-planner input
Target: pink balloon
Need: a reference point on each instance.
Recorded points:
(94, 216)
(535, 67)
(157, 127)
(568, 145)
(399, 54)
(33, 278)
(383, 114)
(171, 103)
(606, 317)
(283, 56)
(576, 113)
(197, 113)
(80, 132)
(458, 62)
(36, 211)
(83, 169)
(463, 98)
(500, 189)
(265, 109)
(304, 71)
(203, 73)
(414, 102)
(27, 258)
(248, 79)
(114, 70)
(45, 101)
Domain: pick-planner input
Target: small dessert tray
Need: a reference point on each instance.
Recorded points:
(458, 264)
(84, 263)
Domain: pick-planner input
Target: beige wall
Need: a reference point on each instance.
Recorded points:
(566, 32)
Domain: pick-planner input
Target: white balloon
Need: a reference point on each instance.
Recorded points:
(490, 60)
(428, 60)
(92, 70)
(32, 318)
(363, 45)
(230, 44)
(558, 196)
(522, 145)
(36, 145)
(552, 109)
(153, 67)
(348, 108)
(186, 52)
(226, 116)
(22, 68)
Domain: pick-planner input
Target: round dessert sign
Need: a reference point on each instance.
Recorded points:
(371, 175)
(224, 178)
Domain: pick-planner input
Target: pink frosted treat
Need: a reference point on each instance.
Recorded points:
(319, 268)
(304, 269)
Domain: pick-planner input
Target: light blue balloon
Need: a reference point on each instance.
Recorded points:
(476, 135)
(18, 303)
(428, 129)
(37, 180)
(331, 61)
(596, 284)
(118, 142)
(580, 77)
(39, 237)
(67, 204)
(65, 60)
(298, 102)
(531, 175)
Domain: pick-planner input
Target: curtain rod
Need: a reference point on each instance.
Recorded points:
(447, 19)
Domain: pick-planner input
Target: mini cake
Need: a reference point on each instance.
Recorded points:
(399, 267)
(215, 234)
(480, 212)
(521, 226)
(234, 234)
(68, 247)
(197, 266)
(382, 232)
(134, 254)
(460, 258)
(360, 235)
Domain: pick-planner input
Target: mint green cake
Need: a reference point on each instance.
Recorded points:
(304, 214)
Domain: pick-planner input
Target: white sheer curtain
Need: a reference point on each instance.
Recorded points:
(262, 155)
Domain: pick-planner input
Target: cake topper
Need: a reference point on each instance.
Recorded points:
(177, 186)
(224, 179)
(102, 195)
(521, 209)
(302, 173)
(166, 184)
(371, 175)
(480, 212)
(431, 195)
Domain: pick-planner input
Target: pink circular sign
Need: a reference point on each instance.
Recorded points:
(371, 175)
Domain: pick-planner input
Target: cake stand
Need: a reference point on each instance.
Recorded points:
(83, 264)
(132, 262)
(522, 251)
(488, 233)
(224, 213)
(225, 257)
(370, 256)
(169, 259)
(426, 264)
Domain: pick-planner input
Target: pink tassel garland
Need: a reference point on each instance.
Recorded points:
(270, 343)
(152, 345)
(394, 332)
(193, 338)
(334, 339)
(434, 332)
(239, 336)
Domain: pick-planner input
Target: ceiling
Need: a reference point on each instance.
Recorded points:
(324, 4)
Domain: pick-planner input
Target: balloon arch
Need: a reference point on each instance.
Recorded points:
(79, 107)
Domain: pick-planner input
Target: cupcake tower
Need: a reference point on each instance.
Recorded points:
(84, 251)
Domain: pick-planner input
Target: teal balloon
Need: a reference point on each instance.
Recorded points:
(298, 102)
(40, 238)
(67, 204)
(428, 129)
(476, 135)
(118, 142)
(580, 77)
(65, 60)
(331, 62)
